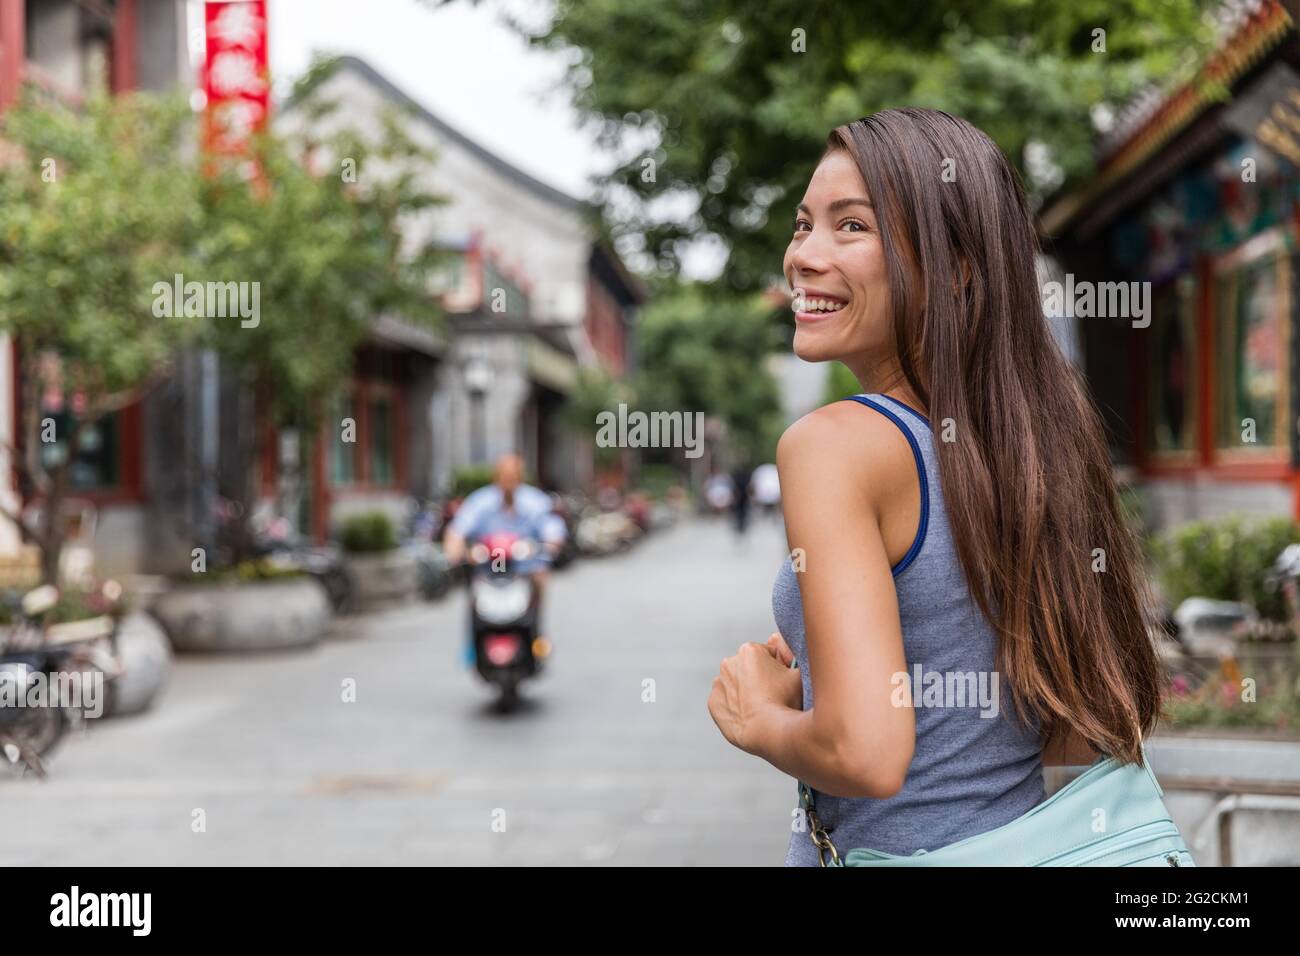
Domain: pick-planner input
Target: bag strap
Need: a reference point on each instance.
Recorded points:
(816, 831)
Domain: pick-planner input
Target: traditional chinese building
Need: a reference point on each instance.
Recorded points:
(1199, 198)
(532, 295)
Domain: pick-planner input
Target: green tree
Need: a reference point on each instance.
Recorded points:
(725, 105)
(96, 205)
(321, 230)
(596, 391)
(701, 351)
(840, 383)
(100, 204)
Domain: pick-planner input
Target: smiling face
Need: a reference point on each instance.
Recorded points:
(835, 264)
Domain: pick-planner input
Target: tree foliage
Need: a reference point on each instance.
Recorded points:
(321, 230)
(706, 352)
(96, 205)
(713, 99)
(102, 202)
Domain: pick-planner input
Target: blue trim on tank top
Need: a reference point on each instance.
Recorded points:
(919, 540)
(909, 408)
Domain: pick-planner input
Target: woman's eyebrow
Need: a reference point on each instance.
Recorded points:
(838, 204)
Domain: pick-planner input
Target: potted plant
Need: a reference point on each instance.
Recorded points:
(256, 604)
(382, 573)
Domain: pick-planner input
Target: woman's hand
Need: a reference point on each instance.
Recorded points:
(781, 651)
(749, 683)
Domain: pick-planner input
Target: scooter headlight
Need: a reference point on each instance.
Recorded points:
(501, 603)
(521, 550)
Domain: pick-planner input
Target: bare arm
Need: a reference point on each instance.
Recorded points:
(462, 526)
(839, 468)
(453, 546)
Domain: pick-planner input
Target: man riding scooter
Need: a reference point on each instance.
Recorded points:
(506, 510)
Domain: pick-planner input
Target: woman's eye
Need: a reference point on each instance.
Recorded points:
(861, 226)
(801, 224)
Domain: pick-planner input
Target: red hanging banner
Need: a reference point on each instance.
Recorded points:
(235, 75)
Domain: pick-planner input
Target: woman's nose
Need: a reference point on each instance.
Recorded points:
(809, 256)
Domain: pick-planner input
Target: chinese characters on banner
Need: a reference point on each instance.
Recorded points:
(235, 76)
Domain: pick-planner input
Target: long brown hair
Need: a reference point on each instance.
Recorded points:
(1027, 479)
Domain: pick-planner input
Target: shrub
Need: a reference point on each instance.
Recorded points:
(1133, 510)
(1228, 560)
(248, 571)
(368, 532)
(75, 602)
(656, 479)
(470, 479)
(257, 569)
(1218, 703)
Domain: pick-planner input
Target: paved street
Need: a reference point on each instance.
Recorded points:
(586, 772)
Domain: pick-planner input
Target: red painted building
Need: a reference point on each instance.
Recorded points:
(70, 49)
(1197, 199)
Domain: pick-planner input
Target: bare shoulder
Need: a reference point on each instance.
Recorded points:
(845, 443)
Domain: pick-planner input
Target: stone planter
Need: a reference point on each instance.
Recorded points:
(244, 616)
(146, 657)
(382, 579)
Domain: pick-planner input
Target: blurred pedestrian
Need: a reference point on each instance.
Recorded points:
(742, 493)
(767, 488)
(718, 492)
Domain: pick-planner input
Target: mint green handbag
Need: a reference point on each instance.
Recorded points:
(1061, 831)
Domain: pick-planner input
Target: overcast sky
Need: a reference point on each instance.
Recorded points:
(461, 62)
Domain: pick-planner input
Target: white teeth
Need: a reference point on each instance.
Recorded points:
(822, 305)
(814, 304)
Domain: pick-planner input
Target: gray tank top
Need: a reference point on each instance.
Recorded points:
(975, 767)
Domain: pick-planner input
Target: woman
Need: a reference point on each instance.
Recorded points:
(987, 550)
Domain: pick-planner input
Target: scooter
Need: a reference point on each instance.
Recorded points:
(32, 654)
(423, 543)
(504, 613)
(277, 542)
